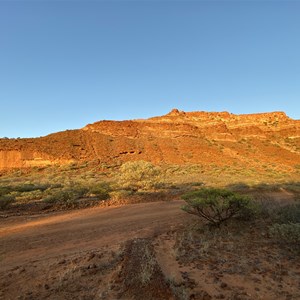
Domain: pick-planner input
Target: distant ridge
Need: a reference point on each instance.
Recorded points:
(178, 137)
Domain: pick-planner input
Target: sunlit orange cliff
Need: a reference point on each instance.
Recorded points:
(175, 138)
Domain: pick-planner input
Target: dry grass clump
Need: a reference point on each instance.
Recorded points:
(139, 176)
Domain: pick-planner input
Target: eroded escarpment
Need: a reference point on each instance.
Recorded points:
(175, 138)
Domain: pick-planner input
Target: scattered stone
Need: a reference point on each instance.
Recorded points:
(103, 295)
(21, 270)
(203, 295)
(91, 256)
(289, 296)
(224, 285)
(92, 266)
(62, 261)
(92, 271)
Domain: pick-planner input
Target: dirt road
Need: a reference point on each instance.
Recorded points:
(38, 238)
(141, 251)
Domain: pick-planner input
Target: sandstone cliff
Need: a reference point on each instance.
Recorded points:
(175, 138)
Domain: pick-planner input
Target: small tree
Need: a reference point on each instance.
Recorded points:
(216, 205)
(138, 175)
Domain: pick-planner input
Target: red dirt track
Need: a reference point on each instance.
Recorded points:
(38, 238)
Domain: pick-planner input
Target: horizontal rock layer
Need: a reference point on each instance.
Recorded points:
(175, 138)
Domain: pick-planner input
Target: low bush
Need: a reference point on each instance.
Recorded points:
(5, 190)
(286, 229)
(120, 194)
(26, 188)
(238, 187)
(268, 207)
(67, 197)
(266, 187)
(139, 175)
(28, 196)
(293, 187)
(100, 190)
(217, 205)
(288, 214)
(286, 233)
(6, 201)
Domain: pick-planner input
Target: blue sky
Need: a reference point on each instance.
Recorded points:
(64, 64)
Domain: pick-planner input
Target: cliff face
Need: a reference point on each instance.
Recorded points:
(176, 138)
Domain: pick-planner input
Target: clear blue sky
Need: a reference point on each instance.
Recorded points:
(64, 64)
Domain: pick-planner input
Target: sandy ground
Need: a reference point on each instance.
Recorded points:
(141, 251)
(36, 238)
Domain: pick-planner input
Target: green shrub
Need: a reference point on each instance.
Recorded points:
(30, 187)
(27, 191)
(238, 187)
(268, 206)
(120, 194)
(266, 187)
(100, 190)
(79, 191)
(197, 183)
(67, 197)
(286, 233)
(59, 197)
(288, 214)
(217, 205)
(25, 188)
(293, 187)
(139, 175)
(6, 201)
(28, 196)
(5, 190)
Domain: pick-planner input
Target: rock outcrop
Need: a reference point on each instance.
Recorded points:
(175, 138)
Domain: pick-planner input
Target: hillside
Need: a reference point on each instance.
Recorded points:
(178, 137)
(128, 241)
